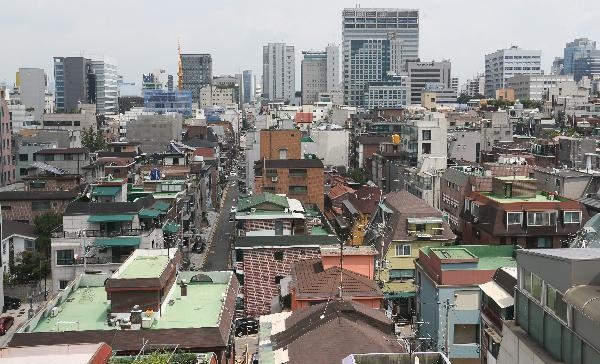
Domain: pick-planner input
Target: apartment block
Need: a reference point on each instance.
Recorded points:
(280, 144)
(279, 72)
(422, 73)
(506, 63)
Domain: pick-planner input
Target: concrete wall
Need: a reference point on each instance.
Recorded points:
(332, 146)
(154, 132)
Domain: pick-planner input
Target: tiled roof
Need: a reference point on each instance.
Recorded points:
(101, 208)
(62, 151)
(311, 281)
(261, 198)
(365, 199)
(339, 190)
(303, 117)
(337, 329)
(204, 152)
(17, 228)
(38, 195)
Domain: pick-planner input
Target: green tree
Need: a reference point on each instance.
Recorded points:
(464, 98)
(357, 174)
(531, 104)
(93, 140)
(44, 225)
(29, 267)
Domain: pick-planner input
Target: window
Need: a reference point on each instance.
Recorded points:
(63, 284)
(540, 218)
(29, 245)
(572, 217)
(64, 257)
(282, 153)
(23, 157)
(271, 173)
(544, 242)
(426, 148)
(278, 255)
(536, 287)
(514, 218)
(68, 157)
(40, 205)
(6, 207)
(49, 157)
(23, 171)
(401, 274)
(426, 134)
(402, 250)
(298, 190)
(555, 302)
(278, 279)
(466, 333)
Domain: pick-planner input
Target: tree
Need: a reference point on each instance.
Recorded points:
(531, 104)
(93, 140)
(357, 174)
(44, 225)
(464, 98)
(29, 267)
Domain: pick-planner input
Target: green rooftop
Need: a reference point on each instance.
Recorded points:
(105, 191)
(261, 198)
(452, 253)
(85, 309)
(200, 308)
(318, 230)
(145, 267)
(489, 257)
(539, 197)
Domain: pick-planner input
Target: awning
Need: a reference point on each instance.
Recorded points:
(171, 228)
(148, 213)
(111, 218)
(162, 206)
(105, 191)
(424, 220)
(394, 295)
(498, 294)
(585, 299)
(385, 209)
(125, 241)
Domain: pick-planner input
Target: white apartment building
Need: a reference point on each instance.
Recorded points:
(279, 72)
(319, 73)
(223, 96)
(536, 87)
(475, 85)
(107, 90)
(506, 63)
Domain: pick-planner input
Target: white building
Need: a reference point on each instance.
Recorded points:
(223, 96)
(32, 89)
(537, 87)
(319, 73)
(279, 72)
(17, 238)
(376, 41)
(506, 63)
(475, 86)
(107, 90)
(422, 73)
(331, 146)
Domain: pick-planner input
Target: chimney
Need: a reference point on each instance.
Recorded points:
(183, 288)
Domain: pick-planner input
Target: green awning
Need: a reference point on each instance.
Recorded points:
(393, 295)
(105, 191)
(162, 206)
(402, 273)
(148, 213)
(125, 241)
(111, 218)
(171, 228)
(385, 209)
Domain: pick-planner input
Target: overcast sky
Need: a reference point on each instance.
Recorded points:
(142, 35)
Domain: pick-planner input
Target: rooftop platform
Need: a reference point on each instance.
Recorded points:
(539, 197)
(145, 267)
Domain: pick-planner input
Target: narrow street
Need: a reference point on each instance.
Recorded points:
(219, 254)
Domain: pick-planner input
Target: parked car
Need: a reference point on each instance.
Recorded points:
(5, 323)
(232, 174)
(11, 303)
(246, 326)
(199, 247)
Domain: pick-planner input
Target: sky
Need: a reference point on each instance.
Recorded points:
(142, 35)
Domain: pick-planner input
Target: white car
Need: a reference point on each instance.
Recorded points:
(233, 210)
(233, 174)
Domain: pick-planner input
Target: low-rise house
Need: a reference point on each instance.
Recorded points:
(145, 304)
(515, 212)
(70, 160)
(357, 211)
(325, 333)
(401, 225)
(448, 298)
(99, 353)
(17, 238)
(25, 206)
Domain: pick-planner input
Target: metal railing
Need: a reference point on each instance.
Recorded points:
(60, 233)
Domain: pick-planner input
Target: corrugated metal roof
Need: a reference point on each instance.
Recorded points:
(499, 295)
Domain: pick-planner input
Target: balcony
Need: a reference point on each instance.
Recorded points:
(60, 233)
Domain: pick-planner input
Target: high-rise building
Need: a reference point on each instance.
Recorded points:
(7, 168)
(107, 91)
(319, 73)
(376, 41)
(578, 48)
(32, 90)
(454, 84)
(587, 64)
(475, 86)
(155, 80)
(279, 72)
(196, 72)
(422, 73)
(505, 63)
(248, 86)
(75, 83)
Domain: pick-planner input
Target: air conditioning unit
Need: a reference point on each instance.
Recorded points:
(54, 312)
(274, 179)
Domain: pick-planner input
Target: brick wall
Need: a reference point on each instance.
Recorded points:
(273, 140)
(261, 268)
(313, 181)
(53, 184)
(21, 210)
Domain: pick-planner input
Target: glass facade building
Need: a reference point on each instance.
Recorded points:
(161, 102)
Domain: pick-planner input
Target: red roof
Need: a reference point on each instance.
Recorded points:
(204, 152)
(303, 117)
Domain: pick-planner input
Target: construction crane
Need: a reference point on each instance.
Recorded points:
(180, 67)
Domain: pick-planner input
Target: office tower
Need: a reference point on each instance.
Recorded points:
(75, 83)
(558, 66)
(196, 72)
(578, 48)
(505, 63)
(107, 91)
(586, 64)
(279, 72)
(248, 86)
(454, 84)
(32, 90)
(376, 41)
(422, 73)
(475, 86)
(319, 73)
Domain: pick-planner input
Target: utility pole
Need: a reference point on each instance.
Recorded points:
(447, 305)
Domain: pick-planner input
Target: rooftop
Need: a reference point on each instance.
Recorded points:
(485, 257)
(539, 197)
(145, 267)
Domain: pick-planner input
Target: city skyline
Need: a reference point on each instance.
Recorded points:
(456, 32)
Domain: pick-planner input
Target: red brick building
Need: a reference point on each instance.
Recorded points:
(280, 144)
(25, 206)
(301, 179)
(7, 166)
(514, 212)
